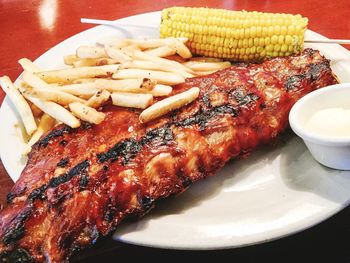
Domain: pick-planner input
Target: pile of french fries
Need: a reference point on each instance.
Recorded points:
(130, 71)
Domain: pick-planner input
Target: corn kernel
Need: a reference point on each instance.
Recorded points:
(280, 39)
(277, 30)
(291, 30)
(247, 33)
(245, 42)
(288, 40)
(256, 41)
(250, 42)
(269, 47)
(265, 31)
(274, 39)
(253, 49)
(284, 30)
(226, 42)
(253, 31)
(284, 47)
(235, 43)
(241, 33)
(267, 41)
(277, 47)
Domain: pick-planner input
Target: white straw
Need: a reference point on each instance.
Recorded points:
(328, 41)
(118, 24)
(115, 24)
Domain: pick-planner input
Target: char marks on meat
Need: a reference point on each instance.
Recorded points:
(80, 183)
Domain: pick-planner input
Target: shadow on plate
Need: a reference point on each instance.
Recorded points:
(300, 172)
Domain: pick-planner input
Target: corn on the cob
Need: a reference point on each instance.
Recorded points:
(236, 35)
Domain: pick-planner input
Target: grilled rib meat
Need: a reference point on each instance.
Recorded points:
(80, 183)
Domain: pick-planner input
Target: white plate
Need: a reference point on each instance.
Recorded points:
(275, 192)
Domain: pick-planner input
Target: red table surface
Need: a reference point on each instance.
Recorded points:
(29, 28)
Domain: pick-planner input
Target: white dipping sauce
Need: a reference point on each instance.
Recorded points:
(330, 122)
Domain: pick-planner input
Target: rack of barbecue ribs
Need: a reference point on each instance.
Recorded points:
(79, 184)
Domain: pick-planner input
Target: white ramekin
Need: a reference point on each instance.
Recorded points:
(333, 152)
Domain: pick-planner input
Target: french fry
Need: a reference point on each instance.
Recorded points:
(119, 85)
(140, 101)
(84, 80)
(57, 96)
(161, 90)
(182, 39)
(28, 65)
(37, 113)
(83, 90)
(137, 55)
(20, 104)
(207, 66)
(144, 64)
(129, 49)
(179, 47)
(176, 58)
(54, 85)
(45, 124)
(69, 59)
(34, 81)
(162, 51)
(70, 74)
(26, 150)
(88, 62)
(55, 110)
(146, 43)
(112, 41)
(85, 62)
(86, 113)
(148, 84)
(126, 85)
(169, 104)
(100, 97)
(90, 52)
(117, 54)
(167, 78)
(151, 42)
(133, 86)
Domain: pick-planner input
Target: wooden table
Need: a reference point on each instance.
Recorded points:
(29, 28)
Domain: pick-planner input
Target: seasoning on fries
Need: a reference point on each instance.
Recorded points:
(70, 74)
(117, 54)
(86, 113)
(90, 52)
(82, 90)
(100, 97)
